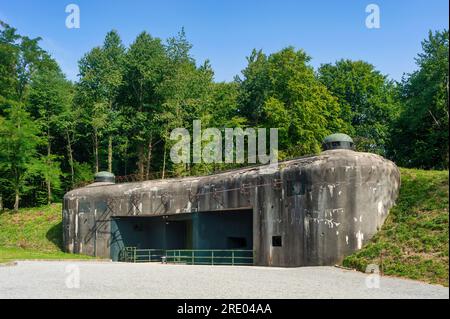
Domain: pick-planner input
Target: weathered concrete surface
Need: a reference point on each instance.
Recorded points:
(324, 207)
(124, 280)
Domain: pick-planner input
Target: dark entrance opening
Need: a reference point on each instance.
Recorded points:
(223, 230)
(158, 232)
(202, 230)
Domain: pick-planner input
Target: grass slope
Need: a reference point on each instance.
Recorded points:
(32, 233)
(414, 238)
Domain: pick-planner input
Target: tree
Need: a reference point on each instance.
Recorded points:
(9, 56)
(18, 142)
(20, 58)
(186, 93)
(101, 72)
(48, 99)
(146, 66)
(22, 64)
(368, 101)
(420, 135)
(67, 125)
(114, 51)
(281, 91)
(253, 87)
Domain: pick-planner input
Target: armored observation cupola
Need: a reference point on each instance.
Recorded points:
(104, 177)
(337, 141)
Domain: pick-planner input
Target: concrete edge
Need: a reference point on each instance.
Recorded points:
(391, 276)
(345, 268)
(8, 264)
(71, 260)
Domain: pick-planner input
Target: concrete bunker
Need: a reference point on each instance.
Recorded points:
(312, 210)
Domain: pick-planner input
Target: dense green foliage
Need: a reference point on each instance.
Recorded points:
(422, 128)
(118, 116)
(282, 91)
(368, 101)
(414, 238)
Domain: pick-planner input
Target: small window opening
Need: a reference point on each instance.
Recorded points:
(276, 241)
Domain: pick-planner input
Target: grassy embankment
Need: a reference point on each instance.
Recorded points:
(414, 238)
(32, 233)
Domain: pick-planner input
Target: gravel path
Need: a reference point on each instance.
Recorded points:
(36, 279)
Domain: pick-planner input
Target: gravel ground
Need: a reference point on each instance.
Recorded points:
(57, 279)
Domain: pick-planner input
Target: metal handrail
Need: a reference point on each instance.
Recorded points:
(189, 256)
(133, 254)
(210, 257)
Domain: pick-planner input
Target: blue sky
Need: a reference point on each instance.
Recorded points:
(225, 31)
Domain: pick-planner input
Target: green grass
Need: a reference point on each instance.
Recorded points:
(33, 233)
(414, 238)
(15, 253)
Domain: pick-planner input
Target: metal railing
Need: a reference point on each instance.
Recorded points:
(210, 257)
(233, 257)
(135, 255)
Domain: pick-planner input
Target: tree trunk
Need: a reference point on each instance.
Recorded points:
(141, 162)
(95, 149)
(110, 144)
(16, 202)
(126, 157)
(49, 192)
(47, 179)
(164, 163)
(140, 148)
(149, 158)
(1, 203)
(69, 152)
(110, 150)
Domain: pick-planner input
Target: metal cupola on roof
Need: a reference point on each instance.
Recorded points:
(337, 141)
(104, 177)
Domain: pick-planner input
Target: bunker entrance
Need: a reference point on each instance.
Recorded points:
(182, 233)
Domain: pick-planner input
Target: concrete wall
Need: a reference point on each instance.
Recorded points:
(324, 207)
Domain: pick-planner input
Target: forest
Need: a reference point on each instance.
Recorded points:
(55, 134)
